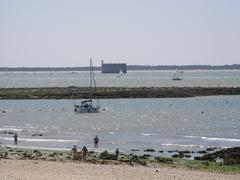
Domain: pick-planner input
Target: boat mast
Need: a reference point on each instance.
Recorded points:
(93, 81)
(95, 85)
(90, 70)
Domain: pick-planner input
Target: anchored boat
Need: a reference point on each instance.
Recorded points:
(89, 106)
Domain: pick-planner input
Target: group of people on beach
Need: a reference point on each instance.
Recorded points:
(75, 155)
(84, 151)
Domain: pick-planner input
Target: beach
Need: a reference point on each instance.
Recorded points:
(45, 164)
(32, 169)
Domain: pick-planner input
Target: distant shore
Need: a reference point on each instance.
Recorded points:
(129, 67)
(114, 92)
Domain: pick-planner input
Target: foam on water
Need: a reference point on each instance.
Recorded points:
(11, 129)
(58, 149)
(146, 134)
(184, 145)
(220, 139)
(213, 138)
(39, 140)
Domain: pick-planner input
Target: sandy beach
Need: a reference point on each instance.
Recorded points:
(36, 169)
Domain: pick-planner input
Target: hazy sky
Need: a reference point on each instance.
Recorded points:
(147, 32)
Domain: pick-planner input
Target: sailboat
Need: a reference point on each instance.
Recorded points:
(176, 76)
(88, 106)
(120, 73)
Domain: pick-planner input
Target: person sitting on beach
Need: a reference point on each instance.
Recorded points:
(95, 141)
(74, 153)
(15, 138)
(84, 153)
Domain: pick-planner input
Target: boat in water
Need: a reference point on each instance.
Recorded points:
(89, 106)
(176, 76)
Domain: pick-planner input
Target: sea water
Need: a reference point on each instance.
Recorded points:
(157, 123)
(190, 78)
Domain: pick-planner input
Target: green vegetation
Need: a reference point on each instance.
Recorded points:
(207, 165)
(164, 160)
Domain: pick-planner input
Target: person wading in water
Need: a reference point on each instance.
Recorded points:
(95, 141)
(15, 138)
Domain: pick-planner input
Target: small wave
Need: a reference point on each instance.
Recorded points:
(9, 126)
(39, 140)
(11, 129)
(184, 145)
(221, 139)
(147, 134)
(191, 136)
(57, 149)
(39, 148)
(213, 138)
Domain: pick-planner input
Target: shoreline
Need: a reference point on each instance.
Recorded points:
(73, 92)
(207, 162)
(185, 153)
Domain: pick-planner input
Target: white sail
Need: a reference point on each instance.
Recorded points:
(176, 75)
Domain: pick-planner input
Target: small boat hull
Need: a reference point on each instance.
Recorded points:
(176, 79)
(82, 109)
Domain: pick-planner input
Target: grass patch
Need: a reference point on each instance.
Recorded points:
(208, 166)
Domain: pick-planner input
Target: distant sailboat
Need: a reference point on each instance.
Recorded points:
(120, 71)
(176, 76)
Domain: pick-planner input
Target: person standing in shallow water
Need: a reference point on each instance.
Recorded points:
(117, 154)
(15, 138)
(84, 153)
(95, 141)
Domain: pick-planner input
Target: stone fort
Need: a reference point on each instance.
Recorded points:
(114, 67)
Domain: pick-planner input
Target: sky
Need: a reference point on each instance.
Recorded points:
(67, 33)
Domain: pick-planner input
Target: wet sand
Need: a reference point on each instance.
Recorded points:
(37, 169)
